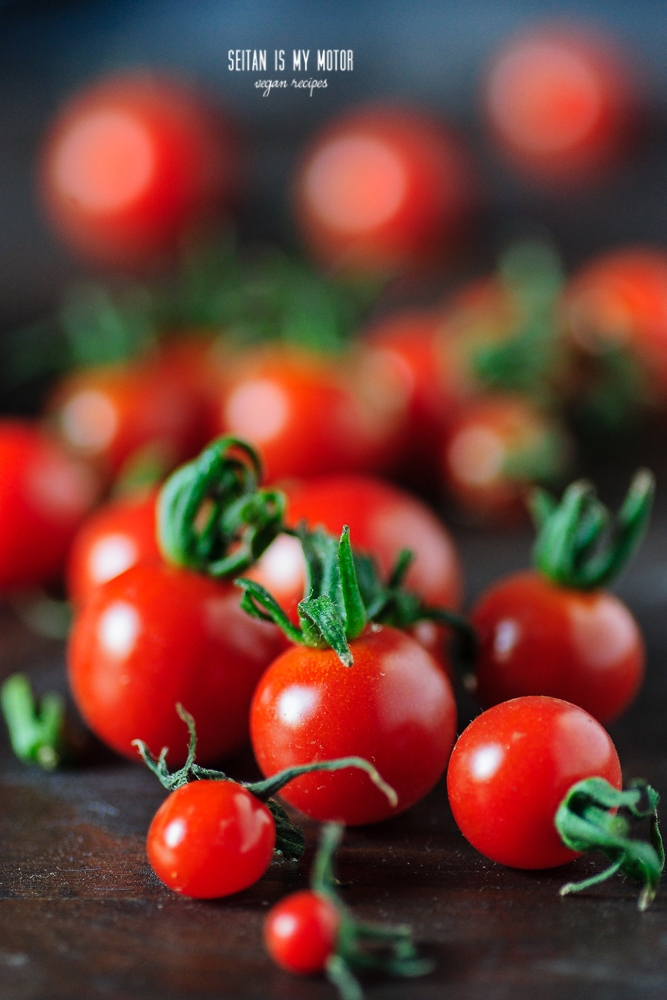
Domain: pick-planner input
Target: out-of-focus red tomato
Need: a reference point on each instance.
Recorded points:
(495, 449)
(558, 102)
(620, 300)
(116, 536)
(131, 163)
(383, 188)
(308, 414)
(383, 520)
(110, 413)
(44, 495)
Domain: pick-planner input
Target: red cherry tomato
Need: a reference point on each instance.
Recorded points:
(308, 415)
(393, 706)
(155, 636)
(210, 839)
(111, 413)
(620, 300)
(300, 932)
(539, 638)
(383, 188)
(495, 449)
(511, 768)
(44, 495)
(130, 164)
(114, 538)
(558, 104)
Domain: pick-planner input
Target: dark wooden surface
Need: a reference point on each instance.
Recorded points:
(82, 916)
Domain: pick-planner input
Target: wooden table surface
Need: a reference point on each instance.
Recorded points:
(82, 916)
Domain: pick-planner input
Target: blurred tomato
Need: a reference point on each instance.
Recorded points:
(558, 102)
(495, 449)
(310, 413)
(116, 536)
(619, 300)
(131, 163)
(44, 495)
(383, 188)
(111, 413)
(383, 520)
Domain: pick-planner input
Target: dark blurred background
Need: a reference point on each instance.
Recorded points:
(427, 52)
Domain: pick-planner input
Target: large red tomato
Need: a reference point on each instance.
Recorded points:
(510, 770)
(155, 636)
(393, 706)
(44, 495)
(131, 163)
(382, 188)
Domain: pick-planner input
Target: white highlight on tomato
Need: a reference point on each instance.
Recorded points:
(257, 409)
(506, 636)
(89, 421)
(486, 761)
(118, 629)
(296, 704)
(476, 456)
(111, 556)
(175, 833)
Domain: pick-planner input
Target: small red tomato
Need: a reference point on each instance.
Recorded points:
(110, 414)
(156, 636)
(130, 164)
(619, 300)
(539, 638)
(306, 414)
(510, 770)
(383, 188)
(210, 839)
(495, 449)
(114, 538)
(44, 496)
(394, 706)
(558, 103)
(300, 932)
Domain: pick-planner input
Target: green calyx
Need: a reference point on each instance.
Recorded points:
(586, 822)
(333, 613)
(579, 544)
(212, 516)
(360, 946)
(36, 730)
(290, 840)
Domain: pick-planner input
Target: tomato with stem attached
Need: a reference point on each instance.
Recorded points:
(133, 162)
(301, 931)
(44, 496)
(555, 630)
(383, 188)
(511, 768)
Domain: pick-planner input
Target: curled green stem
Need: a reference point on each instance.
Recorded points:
(35, 729)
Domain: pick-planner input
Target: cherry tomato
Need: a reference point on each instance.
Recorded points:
(619, 300)
(210, 839)
(495, 449)
(44, 495)
(115, 537)
(155, 636)
(538, 638)
(300, 932)
(308, 415)
(511, 768)
(558, 104)
(383, 188)
(393, 706)
(131, 163)
(111, 413)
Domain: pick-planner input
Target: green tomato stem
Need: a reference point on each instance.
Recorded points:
(35, 730)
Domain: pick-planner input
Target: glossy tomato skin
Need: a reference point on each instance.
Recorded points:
(115, 537)
(308, 414)
(383, 520)
(300, 932)
(383, 188)
(110, 414)
(211, 839)
(539, 638)
(393, 706)
(44, 495)
(131, 163)
(510, 770)
(155, 636)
